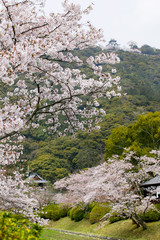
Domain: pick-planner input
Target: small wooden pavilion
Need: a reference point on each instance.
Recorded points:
(153, 183)
(36, 179)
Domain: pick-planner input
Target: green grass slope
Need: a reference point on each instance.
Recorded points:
(123, 229)
(55, 235)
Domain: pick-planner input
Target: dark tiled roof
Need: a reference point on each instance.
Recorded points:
(153, 181)
(36, 178)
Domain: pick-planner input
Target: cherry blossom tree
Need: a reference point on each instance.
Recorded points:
(41, 78)
(117, 182)
(33, 48)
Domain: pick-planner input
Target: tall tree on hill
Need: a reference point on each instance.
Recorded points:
(33, 50)
(142, 136)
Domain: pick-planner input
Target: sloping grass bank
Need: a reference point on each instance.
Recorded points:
(55, 235)
(124, 229)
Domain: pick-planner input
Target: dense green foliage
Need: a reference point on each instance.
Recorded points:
(142, 136)
(93, 211)
(98, 212)
(59, 157)
(151, 215)
(116, 216)
(54, 211)
(77, 213)
(16, 227)
(113, 219)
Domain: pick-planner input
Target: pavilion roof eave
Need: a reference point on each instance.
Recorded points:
(152, 182)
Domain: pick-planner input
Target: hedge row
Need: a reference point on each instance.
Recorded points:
(92, 211)
(55, 212)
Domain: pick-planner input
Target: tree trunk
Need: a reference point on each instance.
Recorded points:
(138, 221)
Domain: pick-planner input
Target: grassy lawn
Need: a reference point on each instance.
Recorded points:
(123, 229)
(54, 235)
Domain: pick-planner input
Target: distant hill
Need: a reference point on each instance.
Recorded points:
(54, 158)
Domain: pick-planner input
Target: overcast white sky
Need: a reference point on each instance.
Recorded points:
(123, 20)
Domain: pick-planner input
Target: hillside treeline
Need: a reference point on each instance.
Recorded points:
(54, 158)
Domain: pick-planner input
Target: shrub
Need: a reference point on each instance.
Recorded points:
(16, 227)
(90, 206)
(86, 215)
(51, 206)
(77, 213)
(116, 216)
(157, 206)
(69, 212)
(151, 215)
(113, 219)
(98, 212)
(64, 210)
(53, 214)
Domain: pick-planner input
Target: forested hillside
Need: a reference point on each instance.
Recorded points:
(54, 158)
